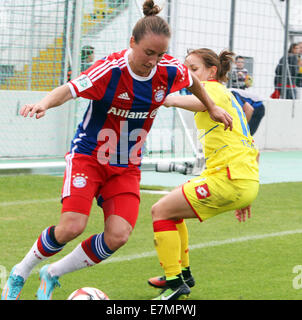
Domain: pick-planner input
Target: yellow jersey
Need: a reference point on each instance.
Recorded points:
(234, 150)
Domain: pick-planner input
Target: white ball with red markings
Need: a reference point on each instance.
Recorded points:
(88, 293)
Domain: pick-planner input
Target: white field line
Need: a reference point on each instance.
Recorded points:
(155, 191)
(153, 253)
(197, 246)
(207, 245)
(26, 202)
(37, 201)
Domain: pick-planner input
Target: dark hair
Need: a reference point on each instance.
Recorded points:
(223, 61)
(150, 23)
(292, 46)
(239, 57)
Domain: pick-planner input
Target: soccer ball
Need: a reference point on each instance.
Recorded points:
(88, 294)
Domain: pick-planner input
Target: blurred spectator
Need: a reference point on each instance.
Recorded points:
(299, 76)
(291, 74)
(239, 77)
(87, 57)
(252, 106)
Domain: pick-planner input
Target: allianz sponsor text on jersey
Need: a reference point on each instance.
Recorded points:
(127, 114)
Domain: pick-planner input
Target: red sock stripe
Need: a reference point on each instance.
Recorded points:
(87, 247)
(41, 249)
(164, 225)
(179, 221)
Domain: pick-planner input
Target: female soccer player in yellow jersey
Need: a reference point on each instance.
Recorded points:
(229, 182)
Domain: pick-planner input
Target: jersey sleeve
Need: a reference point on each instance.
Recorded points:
(183, 78)
(92, 83)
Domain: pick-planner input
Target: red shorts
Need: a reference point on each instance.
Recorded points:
(117, 189)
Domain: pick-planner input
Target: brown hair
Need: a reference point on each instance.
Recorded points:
(223, 61)
(150, 23)
(292, 47)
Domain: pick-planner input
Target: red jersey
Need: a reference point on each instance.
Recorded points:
(122, 106)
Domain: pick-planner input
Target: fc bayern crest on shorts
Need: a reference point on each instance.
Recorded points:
(79, 180)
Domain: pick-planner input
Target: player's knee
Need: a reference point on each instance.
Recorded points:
(157, 211)
(69, 229)
(73, 230)
(117, 238)
(69, 232)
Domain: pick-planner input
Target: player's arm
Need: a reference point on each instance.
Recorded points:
(189, 102)
(216, 113)
(55, 98)
(248, 110)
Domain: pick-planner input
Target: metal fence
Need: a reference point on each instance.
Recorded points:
(37, 37)
(32, 44)
(43, 43)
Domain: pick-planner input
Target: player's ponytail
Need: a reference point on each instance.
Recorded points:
(223, 62)
(226, 59)
(151, 23)
(150, 9)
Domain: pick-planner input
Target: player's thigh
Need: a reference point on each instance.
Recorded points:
(124, 205)
(172, 206)
(121, 194)
(215, 194)
(120, 212)
(81, 183)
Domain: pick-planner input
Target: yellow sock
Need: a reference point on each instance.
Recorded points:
(167, 245)
(184, 239)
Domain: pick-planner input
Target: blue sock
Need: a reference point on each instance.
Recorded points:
(47, 245)
(96, 248)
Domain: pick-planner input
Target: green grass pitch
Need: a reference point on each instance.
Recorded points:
(229, 260)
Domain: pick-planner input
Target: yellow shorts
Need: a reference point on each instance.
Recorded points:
(211, 194)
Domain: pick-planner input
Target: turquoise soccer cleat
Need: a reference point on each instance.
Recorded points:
(47, 285)
(13, 287)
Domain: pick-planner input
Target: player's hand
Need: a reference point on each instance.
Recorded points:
(240, 214)
(33, 109)
(218, 114)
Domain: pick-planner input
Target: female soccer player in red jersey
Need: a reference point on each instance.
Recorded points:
(125, 89)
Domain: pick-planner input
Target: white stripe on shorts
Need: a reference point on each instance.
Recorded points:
(66, 188)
